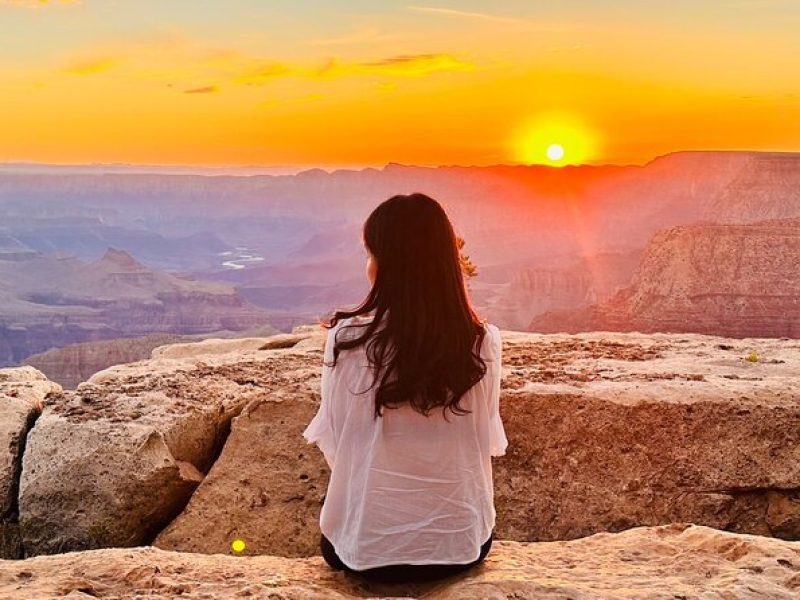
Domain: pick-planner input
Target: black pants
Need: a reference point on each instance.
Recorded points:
(401, 573)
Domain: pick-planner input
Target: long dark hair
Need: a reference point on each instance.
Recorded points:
(430, 342)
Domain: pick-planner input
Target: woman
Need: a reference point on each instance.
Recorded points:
(409, 412)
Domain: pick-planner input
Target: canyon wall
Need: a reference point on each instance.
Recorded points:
(735, 280)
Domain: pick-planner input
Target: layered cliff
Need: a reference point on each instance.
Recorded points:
(74, 363)
(734, 280)
(766, 188)
(536, 290)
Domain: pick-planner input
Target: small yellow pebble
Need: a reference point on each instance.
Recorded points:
(238, 546)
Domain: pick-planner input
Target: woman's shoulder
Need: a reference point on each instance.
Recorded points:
(492, 340)
(492, 330)
(351, 326)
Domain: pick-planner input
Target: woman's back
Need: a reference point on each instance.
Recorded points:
(406, 488)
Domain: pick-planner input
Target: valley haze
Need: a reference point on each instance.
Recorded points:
(94, 253)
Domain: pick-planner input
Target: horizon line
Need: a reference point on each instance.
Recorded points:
(297, 169)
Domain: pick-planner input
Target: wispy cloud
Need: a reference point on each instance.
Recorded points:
(208, 89)
(516, 23)
(408, 65)
(264, 72)
(190, 64)
(92, 66)
(451, 12)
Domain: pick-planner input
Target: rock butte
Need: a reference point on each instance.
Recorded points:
(611, 435)
(736, 279)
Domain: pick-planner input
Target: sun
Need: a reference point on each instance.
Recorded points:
(555, 152)
(556, 139)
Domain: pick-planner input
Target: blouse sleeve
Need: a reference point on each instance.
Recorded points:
(497, 434)
(320, 429)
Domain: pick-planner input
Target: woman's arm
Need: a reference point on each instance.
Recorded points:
(321, 428)
(497, 434)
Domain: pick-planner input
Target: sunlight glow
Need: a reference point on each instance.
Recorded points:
(555, 138)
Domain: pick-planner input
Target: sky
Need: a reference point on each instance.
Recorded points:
(365, 83)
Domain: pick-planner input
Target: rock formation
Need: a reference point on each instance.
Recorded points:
(536, 290)
(606, 432)
(50, 301)
(22, 392)
(612, 437)
(766, 188)
(734, 280)
(673, 561)
(112, 462)
(201, 444)
(74, 363)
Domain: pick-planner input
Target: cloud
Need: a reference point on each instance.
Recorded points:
(208, 89)
(517, 23)
(469, 15)
(265, 72)
(92, 66)
(187, 61)
(407, 65)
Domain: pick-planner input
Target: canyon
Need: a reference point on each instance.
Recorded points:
(48, 301)
(545, 241)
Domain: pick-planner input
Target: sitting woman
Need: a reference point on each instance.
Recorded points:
(410, 496)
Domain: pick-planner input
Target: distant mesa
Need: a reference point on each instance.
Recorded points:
(122, 259)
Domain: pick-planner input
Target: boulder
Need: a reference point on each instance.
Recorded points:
(112, 462)
(265, 488)
(673, 561)
(22, 391)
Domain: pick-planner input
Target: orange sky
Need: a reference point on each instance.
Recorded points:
(366, 83)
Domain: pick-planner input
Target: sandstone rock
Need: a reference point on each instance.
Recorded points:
(607, 431)
(733, 280)
(265, 487)
(671, 561)
(267, 484)
(75, 363)
(223, 346)
(111, 463)
(767, 187)
(22, 391)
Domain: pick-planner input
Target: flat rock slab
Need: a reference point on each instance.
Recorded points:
(606, 432)
(112, 462)
(22, 393)
(609, 431)
(676, 561)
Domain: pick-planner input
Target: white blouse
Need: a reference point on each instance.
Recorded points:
(405, 488)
